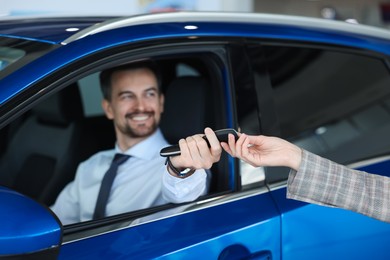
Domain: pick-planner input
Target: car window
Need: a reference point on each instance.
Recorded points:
(15, 53)
(190, 73)
(92, 96)
(9, 55)
(60, 136)
(332, 102)
(183, 70)
(247, 113)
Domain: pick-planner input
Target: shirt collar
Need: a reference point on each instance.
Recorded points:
(148, 148)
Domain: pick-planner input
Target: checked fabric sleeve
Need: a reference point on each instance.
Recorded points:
(321, 181)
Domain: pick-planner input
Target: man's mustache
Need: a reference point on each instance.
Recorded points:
(136, 113)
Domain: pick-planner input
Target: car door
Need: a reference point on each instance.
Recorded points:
(227, 223)
(332, 101)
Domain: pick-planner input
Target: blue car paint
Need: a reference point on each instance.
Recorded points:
(209, 231)
(380, 168)
(298, 218)
(35, 225)
(149, 32)
(318, 232)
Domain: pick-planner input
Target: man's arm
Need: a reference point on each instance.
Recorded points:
(178, 190)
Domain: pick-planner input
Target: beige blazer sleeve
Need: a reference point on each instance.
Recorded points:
(321, 181)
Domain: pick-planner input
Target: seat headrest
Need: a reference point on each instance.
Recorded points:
(61, 108)
(187, 108)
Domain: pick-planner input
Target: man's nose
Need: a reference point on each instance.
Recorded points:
(140, 104)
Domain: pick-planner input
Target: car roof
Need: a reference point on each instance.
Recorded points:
(228, 17)
(56, 29)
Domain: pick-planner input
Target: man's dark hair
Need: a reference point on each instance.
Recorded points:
(105, 75)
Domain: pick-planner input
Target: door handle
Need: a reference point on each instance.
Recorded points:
(241, 252)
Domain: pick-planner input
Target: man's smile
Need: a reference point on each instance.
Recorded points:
(139, 116)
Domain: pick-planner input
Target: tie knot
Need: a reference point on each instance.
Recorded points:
(120, 158)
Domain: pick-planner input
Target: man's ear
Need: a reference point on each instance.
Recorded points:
(162, 100)
(106, 105)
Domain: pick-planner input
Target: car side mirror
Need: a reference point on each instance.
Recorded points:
(28, 229)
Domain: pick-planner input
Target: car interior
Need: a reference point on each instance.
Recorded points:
(350, 105)
(52, 150)
(44, 147)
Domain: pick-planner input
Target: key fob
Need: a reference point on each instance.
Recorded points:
(221, 134)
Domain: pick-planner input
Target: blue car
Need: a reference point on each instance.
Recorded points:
(323, 85)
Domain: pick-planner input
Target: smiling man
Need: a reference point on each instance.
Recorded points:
(134, 102)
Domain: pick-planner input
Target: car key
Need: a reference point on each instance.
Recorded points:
(221, 134)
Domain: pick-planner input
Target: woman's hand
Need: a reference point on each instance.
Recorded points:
(264, 151)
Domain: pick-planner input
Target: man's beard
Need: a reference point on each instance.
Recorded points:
(140, 131)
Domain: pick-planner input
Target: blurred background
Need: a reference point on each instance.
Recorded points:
(369, 12)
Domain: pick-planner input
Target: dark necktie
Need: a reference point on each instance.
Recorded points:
(105, 187)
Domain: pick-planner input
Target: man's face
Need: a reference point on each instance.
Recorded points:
(136, 104)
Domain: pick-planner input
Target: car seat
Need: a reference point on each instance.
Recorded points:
(189, 109)
(43, 153)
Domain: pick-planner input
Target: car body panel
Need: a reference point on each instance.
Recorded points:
(18, 236)
(190, 234)
(369, 235)
(329, 235)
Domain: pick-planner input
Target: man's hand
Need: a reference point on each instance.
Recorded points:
(196, 154)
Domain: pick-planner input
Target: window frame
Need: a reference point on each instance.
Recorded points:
(282, 171)
(107, 58)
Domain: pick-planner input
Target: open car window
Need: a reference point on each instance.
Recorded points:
(69, 127)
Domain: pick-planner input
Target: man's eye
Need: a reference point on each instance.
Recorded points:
(127, 96)
(151, 94)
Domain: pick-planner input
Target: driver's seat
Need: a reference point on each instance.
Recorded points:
(189, 109)
(43, 153)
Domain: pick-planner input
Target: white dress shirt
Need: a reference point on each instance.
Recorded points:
(141, 182)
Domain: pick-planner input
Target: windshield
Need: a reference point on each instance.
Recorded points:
(9, 55)
(17, 52)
